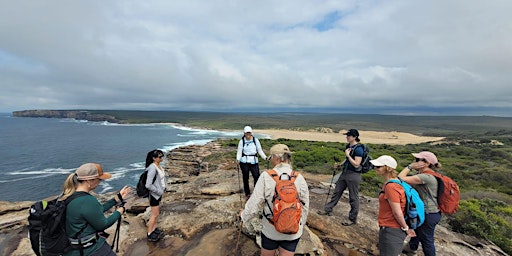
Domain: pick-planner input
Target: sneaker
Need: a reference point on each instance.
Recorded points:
(157, 230)
(325, 213)
(154, 237)
(349, 223)
(408, 251)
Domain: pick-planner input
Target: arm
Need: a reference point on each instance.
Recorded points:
(358, 156)
(239, 151)
(413, 180)
(258, 196)
(304, 197)
(92, 211)
(399, 217)
(259, 149)
(152, 172)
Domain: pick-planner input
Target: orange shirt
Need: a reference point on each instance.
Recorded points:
(394, 193)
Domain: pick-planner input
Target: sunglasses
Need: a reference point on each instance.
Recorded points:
(161, 156)
(378, 167)
(420, 159)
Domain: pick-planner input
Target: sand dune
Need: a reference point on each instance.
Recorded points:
(391, 138)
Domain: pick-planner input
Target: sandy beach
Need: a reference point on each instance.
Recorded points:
(373, 137)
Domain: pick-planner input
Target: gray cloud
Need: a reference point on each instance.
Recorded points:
(225, 55)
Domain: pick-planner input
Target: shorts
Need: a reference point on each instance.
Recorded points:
(153, 201)
(269, 244)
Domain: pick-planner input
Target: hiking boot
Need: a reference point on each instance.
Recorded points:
(324, 213)
(408, 251)
(158, 231)
(349, 223)
(154, 236)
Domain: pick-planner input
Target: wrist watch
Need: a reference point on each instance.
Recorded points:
(410, 167)
(405, 229)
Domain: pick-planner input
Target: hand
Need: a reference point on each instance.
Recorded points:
(119, 210)
(347, 152)
(125, 191)
(411, 232)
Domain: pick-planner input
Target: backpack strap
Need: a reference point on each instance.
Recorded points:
(243, 146)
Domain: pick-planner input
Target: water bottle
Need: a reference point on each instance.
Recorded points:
(413, 216)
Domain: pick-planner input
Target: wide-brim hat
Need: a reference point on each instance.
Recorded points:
(90, 171)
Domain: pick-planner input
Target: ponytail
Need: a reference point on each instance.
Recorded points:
(69, 186)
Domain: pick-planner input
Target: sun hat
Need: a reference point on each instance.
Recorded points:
(352, 132)
(279, 149)
(427, 155)
(91, 171)
(384, 160)
(247, 129)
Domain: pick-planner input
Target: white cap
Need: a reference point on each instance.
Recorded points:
(384, 160)
(247, 129)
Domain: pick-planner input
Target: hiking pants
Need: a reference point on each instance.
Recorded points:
(391, 241)
(255, 171)
(350, 180)
(425, 234)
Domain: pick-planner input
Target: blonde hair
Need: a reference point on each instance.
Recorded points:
(284, 157)
(69, 186)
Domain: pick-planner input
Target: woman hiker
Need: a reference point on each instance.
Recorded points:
(247, 157)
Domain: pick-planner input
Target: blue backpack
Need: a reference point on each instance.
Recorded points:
(414, 207)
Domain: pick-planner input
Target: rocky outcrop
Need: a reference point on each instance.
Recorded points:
(75, 114)
(199, 217)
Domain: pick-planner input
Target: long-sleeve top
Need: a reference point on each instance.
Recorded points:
(248, 150)
(156, 188)
(264, 190)
(87, 210)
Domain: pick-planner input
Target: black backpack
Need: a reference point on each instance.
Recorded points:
(47, 226)
(365, 165)
(142, 191)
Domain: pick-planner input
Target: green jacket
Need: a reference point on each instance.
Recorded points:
(86, 210)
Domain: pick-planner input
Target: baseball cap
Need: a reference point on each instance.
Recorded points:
(384, 160)
(427, 155)
(352, 132)
(247, 129)
(279, 149)
(91, 171)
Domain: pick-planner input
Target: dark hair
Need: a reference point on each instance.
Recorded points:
(153, 154)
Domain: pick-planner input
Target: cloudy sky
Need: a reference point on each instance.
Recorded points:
(390, 57)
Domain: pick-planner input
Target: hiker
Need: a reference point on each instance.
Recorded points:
(350, 178)
(247, 158)
(426, 185)
(85, 215)
(271, 239)
(392, 202)
(155, 183)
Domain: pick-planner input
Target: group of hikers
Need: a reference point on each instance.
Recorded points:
(85, 214)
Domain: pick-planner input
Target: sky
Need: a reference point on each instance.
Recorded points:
(381, 57)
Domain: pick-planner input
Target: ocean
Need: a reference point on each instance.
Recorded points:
(38, 154)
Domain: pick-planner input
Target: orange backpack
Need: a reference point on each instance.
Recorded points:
(287, 207)
(448, 193)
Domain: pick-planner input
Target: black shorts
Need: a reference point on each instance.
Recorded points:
(269, 244)
(153, 201)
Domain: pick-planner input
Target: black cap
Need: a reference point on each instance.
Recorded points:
(352, 132)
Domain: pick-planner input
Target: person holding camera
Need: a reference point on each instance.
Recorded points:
(85, 218)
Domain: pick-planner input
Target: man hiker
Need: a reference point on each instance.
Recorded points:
(350, 178)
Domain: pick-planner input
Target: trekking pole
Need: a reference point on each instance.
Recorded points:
(332, 180)
(239, 186)
(116, 235)
(239, 232)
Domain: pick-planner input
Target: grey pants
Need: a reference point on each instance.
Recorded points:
(350, 180)
(391, 241)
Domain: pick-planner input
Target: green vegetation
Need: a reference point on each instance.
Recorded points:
(477, 154)
(483, 172)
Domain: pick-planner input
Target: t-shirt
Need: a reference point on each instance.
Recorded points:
(357, 150)
(395, 193)
(428, 192)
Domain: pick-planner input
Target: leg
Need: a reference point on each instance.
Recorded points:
(245, 177)
(255, 171)
(353, 181)
(341, 185)
(155, 211)
(283, 252)
(426, 233)
(391, 241)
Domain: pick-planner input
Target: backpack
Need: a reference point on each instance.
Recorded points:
(365, 165)
(243, 145)
(287, 207)
(414, 208)
(47, 226)
(142, 191)
(448, 193)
